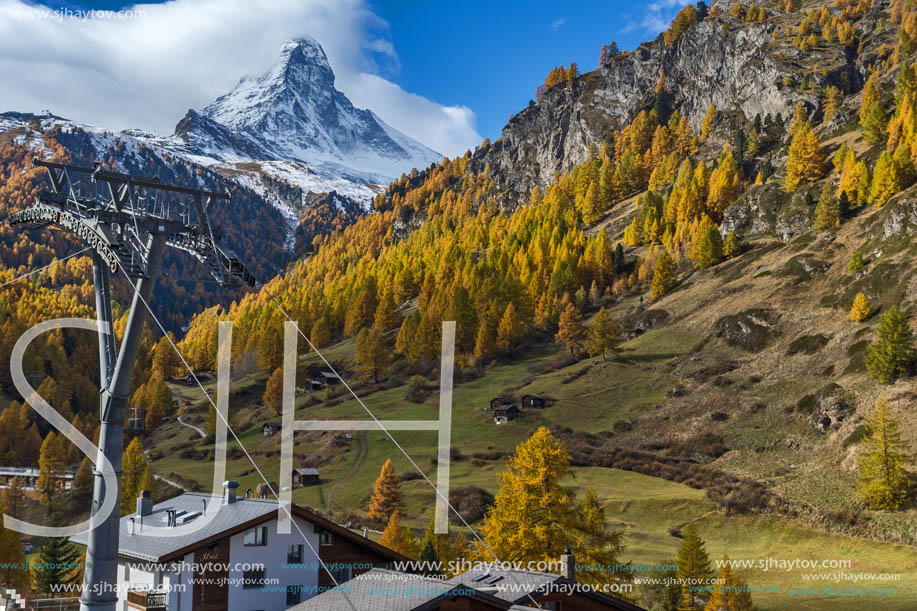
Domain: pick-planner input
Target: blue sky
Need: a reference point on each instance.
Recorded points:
(490, 55)
(446, 73)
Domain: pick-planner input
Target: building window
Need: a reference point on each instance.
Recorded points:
(294, 594)
(252, 579)
(324, 538)
(256, 536)
(294, 554)
(340, 575)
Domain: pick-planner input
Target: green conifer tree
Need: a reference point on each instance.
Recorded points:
(883, 481)
(710, 248)
(663, 275)
(827, 214)
(59, 562)
(693, 569)
(892, 354)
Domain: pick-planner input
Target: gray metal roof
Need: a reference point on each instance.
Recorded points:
(156, 548)
(306, 471)
(384, 590)
(523, 582)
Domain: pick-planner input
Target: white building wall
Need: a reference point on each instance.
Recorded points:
(178, 584)
(129, 574)
(273, 556)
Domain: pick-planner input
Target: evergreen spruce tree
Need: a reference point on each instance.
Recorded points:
(843, 205)
(59, 562)
(892, 354)
(693, 570)
(12, 559)
(428, 557)
(709, 249)
(619, 258)
(856, 262)
(883, 481)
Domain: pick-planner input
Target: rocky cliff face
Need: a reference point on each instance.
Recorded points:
(734, 65)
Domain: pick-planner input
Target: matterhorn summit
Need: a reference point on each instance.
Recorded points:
(294, 112)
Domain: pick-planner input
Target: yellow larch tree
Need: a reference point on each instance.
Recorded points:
(535, 517)
(725, 183)
(708, 122)
(861, 309)
(386, 497)
(398, 538)
(805, 159)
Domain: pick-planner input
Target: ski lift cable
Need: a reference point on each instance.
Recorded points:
(392, 438)
(48, 266)
(236, 437)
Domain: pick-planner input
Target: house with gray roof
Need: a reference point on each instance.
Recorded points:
(548, 590)
(481, 589)
(200, 552)
(386, 590)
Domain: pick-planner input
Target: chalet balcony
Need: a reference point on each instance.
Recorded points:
(147, 600)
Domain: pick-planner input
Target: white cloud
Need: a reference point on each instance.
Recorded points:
(439, 127)
(555, 25)
(657, 16)
(146, 72)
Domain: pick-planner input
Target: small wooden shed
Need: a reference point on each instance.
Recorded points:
(305, 476)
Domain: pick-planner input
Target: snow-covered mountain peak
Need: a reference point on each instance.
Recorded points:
(294, 112)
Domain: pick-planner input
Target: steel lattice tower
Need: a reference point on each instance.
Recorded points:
(127, 229)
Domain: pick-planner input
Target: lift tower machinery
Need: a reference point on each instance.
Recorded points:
(127, 228)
